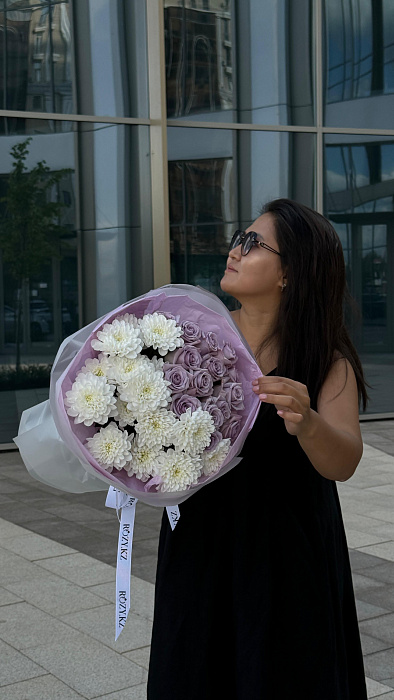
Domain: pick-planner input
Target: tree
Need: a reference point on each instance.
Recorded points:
(29, 232)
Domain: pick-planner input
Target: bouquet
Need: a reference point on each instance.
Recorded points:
(154, 399)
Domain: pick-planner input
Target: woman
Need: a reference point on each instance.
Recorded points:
(254, 597)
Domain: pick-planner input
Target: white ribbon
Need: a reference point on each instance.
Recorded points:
(173, 515)
(126, 504)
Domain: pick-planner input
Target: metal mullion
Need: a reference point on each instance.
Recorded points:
(319, 105)
(74, 117)
(158, 143)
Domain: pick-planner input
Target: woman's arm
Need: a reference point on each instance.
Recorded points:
(333, 440)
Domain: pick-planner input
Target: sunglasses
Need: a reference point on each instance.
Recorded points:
(248, 240)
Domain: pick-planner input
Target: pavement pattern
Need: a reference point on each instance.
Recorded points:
(57, 582)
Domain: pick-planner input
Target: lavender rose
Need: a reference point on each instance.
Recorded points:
(232, 428)
(202, 381)
(232, 374)
(209, 343)
(188, 356)
(234, 395)
(191, 332)
(230, 356)
(215, 366)
(210, 405)
(216, 437)
(178, 376)
(181, 402)
(223, 405)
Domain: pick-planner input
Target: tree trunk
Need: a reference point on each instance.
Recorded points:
(18, 328)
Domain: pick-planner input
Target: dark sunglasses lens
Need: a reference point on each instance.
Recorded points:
(236, 240)
(247, 243)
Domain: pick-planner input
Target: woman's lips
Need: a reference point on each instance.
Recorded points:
(230, 269)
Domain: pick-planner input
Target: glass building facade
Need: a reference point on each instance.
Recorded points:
(165, 125)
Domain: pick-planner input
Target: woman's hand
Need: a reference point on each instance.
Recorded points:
(291, 399)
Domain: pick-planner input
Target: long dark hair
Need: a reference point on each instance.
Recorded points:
(310, 325)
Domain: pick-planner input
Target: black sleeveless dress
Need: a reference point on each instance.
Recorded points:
(254, 596)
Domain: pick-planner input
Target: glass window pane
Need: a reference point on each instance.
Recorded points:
(255, 66)
(218, 181)
(38, 49)
(359, 201)
(358, 68)
(68, 254)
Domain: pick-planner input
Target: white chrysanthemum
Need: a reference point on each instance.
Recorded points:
(155, 428)
(161, 333)
(119, 338)
(129, 318)
(124, 416)
(123, 367)
(214, 459)
(91, 399)
(146, 391)
(157, 363)
(177, 470)
(101, 367)
(111, 447)
(143, 460)
(192, 432)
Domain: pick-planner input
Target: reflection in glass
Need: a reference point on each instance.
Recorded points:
(209, 198)
(37, 46)
(273, 57)
(359, 62)
(359, 199)
(107, 41)
(199, 60)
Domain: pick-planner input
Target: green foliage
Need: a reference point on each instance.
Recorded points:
(29, 234)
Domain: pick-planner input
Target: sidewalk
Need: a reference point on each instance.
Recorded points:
(57, 583)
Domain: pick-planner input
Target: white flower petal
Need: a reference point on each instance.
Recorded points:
(111, 447)
(91, 399)
(177, 470)
(192, 432)
(119, 338)
(213, 460)
(161, 333)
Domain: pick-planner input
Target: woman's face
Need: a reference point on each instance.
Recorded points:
(258, 275)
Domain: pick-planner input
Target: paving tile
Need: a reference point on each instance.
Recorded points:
(139, 656)
(378, 690)
(145, 567)
(80, 569)
(100, 624)
(16, 667)
(41, 688)
(360, 560)
(136, 692)
(8, 529)
(380, 665)
(370, 644)
(382, 628)
(357, 539)
(80, 513)
(367, 610)
(361, 582)
(24, 626)
(385, 550)
(7, 598)
(34, 547)
(383, 572)
(54, 595)
(88, 667)
(14, 568)
(22, 514)
(59, 530)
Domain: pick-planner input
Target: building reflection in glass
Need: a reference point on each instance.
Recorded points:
(359, 63)
(359, 200)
